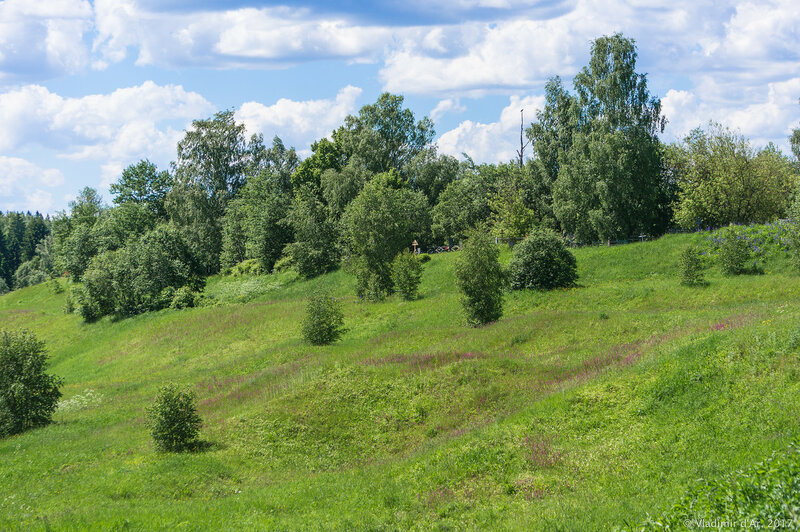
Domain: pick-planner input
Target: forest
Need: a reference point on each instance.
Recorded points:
(598, 173)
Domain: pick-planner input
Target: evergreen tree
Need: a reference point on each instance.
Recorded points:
(35, 230)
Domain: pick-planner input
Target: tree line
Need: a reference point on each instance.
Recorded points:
(599, 172)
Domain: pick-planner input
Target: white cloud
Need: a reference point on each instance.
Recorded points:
(23, 179)
(493, 142)
(448, 105)
(123, 124)
(477, 57)
(770, 116)
(232, 38)
(114, 129)
(299, 123)
(39, 39)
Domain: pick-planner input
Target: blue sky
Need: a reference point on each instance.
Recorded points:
(87, 88)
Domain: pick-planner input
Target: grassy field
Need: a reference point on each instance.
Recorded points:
(582, 409)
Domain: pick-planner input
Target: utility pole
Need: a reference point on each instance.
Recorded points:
(521, 150)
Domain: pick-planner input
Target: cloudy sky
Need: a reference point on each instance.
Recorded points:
(87, 88)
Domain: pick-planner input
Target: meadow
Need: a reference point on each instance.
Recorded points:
(590, 408)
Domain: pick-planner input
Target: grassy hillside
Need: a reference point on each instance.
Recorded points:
(582, 409)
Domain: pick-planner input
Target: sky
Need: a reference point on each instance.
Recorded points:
(90, 87)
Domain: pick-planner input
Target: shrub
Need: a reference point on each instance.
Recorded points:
(324, 319)
(480, 278)
(87, 307)
(247, 267)
(283, 264)
(55, 286)
(3, 286)
(542, 262)
(183, 298)
(373, 284)
(28, 396)
(69, 303)
(691, 266)
(173, 419)
(734, 254)
(406, 275)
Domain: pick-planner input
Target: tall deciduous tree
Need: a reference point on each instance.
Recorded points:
(340, 188)
(315, 249)
(383, 220)
(260, 214)
(430, 172)
(214, 158)
(597, 150)
(143, 184)
(551, 138)
(463, 204)
(384, 134)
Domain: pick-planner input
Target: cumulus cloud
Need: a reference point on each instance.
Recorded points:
(477, 57)
(495, 141)
(768, 117)
(299, 123)
(448, 105)
(121, 125)
(23, 184)
(275, 36)
(39, 40)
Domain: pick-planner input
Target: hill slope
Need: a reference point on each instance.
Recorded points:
(581, 409)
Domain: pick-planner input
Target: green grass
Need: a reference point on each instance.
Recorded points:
(582, 409)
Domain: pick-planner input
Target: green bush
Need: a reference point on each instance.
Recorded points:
(691, 266)
(283, 264)
(3, 286)
(324, 319)
(183, 298)
(542, 262)
(248, 267)
(86, 306)
(734, 254)
(406, 275)
(69, 302)
(480, 279)
(55, 286)
(374, 283)
(173, 419)
(28, 396)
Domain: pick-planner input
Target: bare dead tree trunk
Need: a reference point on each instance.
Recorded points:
(522, 146)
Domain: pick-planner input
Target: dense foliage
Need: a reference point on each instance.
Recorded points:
(735, 255)
(480, 278)
(721, 179)
(139, 277)
(324, 320)
(599, 158)
(173, 419)
(234, 203)
(691, 266)
(406, 275)
(28, 395)
(542, 262)
(383, 220)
